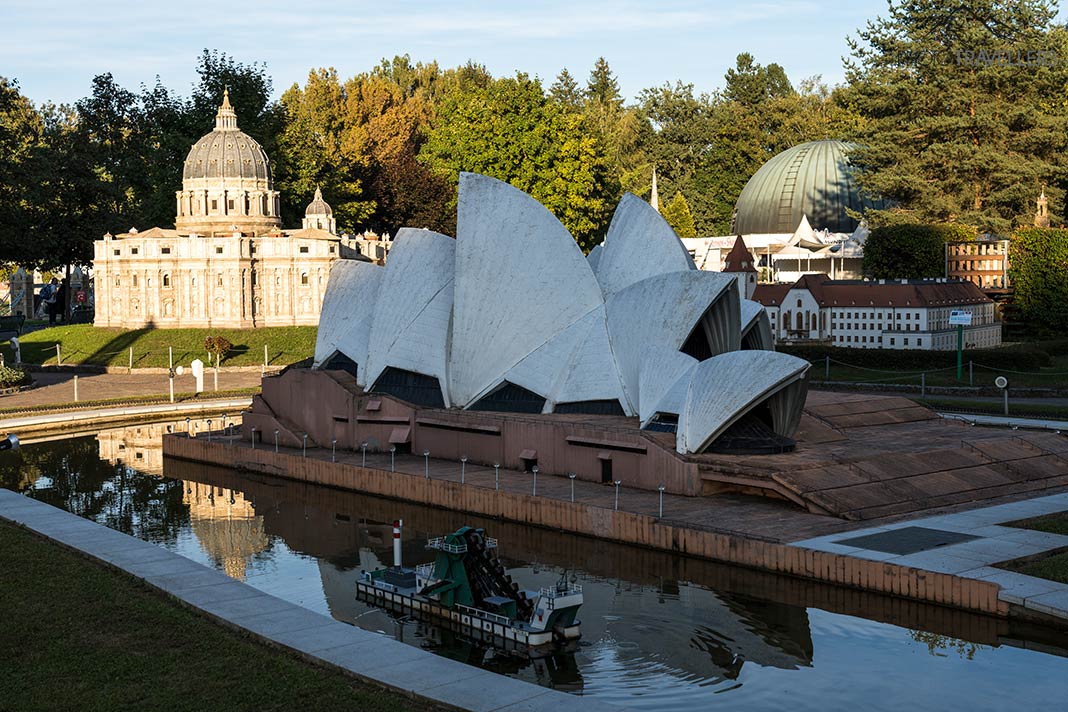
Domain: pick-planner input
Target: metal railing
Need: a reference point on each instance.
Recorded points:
(477, 613)
(424, 571)
(440, 544)
(551, 592)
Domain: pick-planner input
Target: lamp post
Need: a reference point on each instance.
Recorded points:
(276, 439)
(496, 475)
(253, 437)
(534, 492)
(463, 468)
(660, 489)
(571, 476)
(617, 483)
(392, 458)
(188, 431)
(209, 430)
(304, 446)
(363, 448)
(333, 450)
(426, 463)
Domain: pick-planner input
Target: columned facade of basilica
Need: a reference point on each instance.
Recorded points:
(228, 263)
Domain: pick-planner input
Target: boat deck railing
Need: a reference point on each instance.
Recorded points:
(440, 544)
(495, 617)
(424, 571)
(560, 591)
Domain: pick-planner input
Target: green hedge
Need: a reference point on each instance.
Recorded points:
(1039, 272)
(1019, 357)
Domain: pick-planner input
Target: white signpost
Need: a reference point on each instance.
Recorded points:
(198, 374)
(959, 317)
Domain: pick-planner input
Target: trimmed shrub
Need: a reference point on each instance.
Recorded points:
(12, 377)
(1019, 357)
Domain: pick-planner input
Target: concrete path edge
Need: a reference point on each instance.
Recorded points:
(368, 656)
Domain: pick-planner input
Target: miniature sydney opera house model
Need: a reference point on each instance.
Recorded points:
(511, 317)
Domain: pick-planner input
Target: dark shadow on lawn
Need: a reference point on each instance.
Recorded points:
(114, 347)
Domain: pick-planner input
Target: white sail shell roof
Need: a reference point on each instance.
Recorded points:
(575, 365)
(756, 327)
(520, 280)
(411, 315)
(345, 318)
(662, 311)
(594, 258)
(663, 381)
(512, 299)
(726, 387)
(640, 244)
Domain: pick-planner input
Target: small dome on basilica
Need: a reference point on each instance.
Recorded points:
(227, 152)
(812, 179)
(318, 206)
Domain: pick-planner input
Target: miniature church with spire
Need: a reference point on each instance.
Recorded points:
(1042, 214)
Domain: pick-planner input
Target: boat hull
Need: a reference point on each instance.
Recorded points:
(475, 626)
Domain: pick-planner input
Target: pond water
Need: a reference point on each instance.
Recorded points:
(659, 631)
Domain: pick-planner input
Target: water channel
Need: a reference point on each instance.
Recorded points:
(660, 632)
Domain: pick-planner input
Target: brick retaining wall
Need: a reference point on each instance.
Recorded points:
(612, 525)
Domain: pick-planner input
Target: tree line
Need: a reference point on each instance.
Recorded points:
(959, 111)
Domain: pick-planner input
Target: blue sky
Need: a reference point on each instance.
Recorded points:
(55, 47)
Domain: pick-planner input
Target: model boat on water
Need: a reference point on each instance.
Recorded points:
(466, 588)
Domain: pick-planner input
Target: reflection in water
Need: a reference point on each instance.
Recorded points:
(226, 526)
(659, 631)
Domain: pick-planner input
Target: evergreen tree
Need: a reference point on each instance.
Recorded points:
(678, 216)
(565, 91)
(965, 120)
(603, 88)
(750, 84)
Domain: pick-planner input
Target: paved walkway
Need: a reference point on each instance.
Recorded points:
(988, 542)
(320, 639)
(58, 388)
(74, 418)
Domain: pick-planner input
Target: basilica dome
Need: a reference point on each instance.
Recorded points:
(812, 179)
(227, 151)
(226, 182)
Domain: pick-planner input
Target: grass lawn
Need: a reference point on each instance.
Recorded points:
(1056, 523)
(86, 344)
(1054, 568)
(78, 636)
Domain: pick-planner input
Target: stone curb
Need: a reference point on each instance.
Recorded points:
(319, 639)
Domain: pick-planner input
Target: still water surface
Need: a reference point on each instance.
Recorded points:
(659, 631)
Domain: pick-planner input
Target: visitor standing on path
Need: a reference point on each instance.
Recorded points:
(49, 297)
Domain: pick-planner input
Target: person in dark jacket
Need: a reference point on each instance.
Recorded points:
(49, 296)
(61, 300)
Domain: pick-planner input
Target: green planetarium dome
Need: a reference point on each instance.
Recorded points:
(813, 179)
